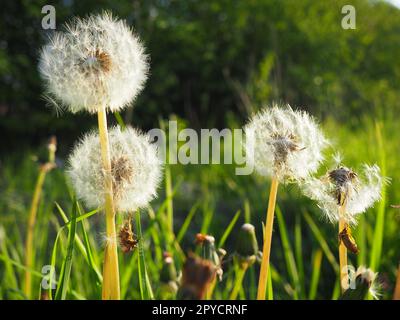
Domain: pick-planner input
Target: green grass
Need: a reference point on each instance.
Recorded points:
(208, 199)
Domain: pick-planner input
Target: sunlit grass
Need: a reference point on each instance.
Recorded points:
(304, 262)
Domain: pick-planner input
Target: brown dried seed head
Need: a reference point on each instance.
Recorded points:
(197, 275)
(346, 237)
(127, 238)
(342, 175)
(342, 178)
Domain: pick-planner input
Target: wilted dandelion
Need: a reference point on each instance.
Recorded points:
(364, 282)
(342, 186)
(286, 146)
(212, 254)
(197, 276)
(127, 239)
(96, 62)
(343, 194)
(135, 169)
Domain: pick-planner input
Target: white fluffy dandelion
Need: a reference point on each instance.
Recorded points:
(341, 186)
(284, 143)
(98, 61)
(135, 169)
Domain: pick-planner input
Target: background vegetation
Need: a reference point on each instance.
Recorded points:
(213, 63)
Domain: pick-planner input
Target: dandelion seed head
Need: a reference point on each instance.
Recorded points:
(135, 169)
(97, 61)
(342, 186)
(284, 143)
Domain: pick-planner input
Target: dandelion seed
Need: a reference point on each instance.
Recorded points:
(286, 144)
(135, 169)
(96, 61)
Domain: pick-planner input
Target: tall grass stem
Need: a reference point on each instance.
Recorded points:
(33, 213)
(262, 282)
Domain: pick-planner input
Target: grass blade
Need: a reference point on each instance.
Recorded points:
(299, 254)
(316, 268)
(229, 229)
(288, 253)
(67, 263)
(377, 242)
(322, 242)
(186, 223)
(144, 283)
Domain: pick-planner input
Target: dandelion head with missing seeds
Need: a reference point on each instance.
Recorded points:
(284, 143)
(341, 186)
(135, 169)
(96, 61)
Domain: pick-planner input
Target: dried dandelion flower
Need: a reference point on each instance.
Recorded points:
(284, 143)
(127, 239)
(197, 276)
(210, 252)
(364, 282)
(343, 187)
(135, 169)
(97, 61)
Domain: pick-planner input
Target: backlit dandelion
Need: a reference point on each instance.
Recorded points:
(343, 194)
(135, 169)
(341, 186)
(96, 61)
(285, 145)
(97, 65)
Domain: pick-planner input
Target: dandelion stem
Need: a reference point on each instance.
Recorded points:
(32, 216)
(262, 282)
(111, 289)
(343, 252)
